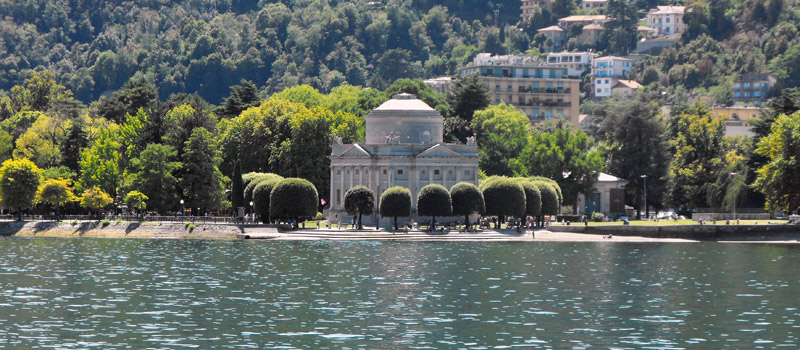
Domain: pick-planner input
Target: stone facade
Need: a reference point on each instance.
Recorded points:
(404, 147)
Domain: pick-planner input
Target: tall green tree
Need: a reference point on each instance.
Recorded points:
(19, 180)
(77, 139)
(569, 156)
(100, 162)
(469, 94)
(153, 174)
(200, 178)
(778, 179)
(633, 131)
(241, 97)
(620, 30)
(698, 156)
(237, 188)
(502, 132)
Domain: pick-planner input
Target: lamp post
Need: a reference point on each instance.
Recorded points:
(645, 194)
(182, 210)
(734, 198)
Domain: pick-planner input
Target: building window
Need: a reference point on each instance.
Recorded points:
(384, 171)
(338, 196)
(339, 172)
(466, 173)
(399, 171)
(358, 172)
(436, 172)
(348, 171)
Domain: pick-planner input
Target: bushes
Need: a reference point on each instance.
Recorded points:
(395, 201)
(434, 200)
(359, 200)
(467, 199)
(293, 198)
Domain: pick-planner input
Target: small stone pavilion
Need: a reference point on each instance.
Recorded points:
(405, 148)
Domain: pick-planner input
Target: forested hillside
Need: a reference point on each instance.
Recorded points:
(204, 46)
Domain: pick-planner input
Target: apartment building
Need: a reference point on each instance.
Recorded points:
(529, 8)
(557, 35)
(752, 88)
(576, 63)
(540, 90)
(589, 5)
(666, 19)
(607, 72)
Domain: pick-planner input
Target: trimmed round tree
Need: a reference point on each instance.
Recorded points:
(293, 198)
(552, 183)
(395, 201)
(504, 197)
(251, 180)
(549, 198)
(261, 195)
(434, 200)
(467, 199)
(19, 181)
(359, 200)
(533, 198)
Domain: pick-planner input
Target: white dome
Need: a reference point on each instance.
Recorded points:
(404, 120)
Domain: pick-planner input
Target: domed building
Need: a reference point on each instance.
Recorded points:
(404, 147)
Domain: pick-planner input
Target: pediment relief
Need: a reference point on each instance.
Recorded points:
(354, 151)
(439, 151)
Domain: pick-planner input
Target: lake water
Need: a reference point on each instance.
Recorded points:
(156, 294)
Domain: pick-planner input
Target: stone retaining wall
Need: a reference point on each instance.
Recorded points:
(696, 232)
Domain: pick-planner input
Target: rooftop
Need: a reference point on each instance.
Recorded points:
(628, 83)
(666, 10)
(582, 18)
(404, 102)
(612, 58)
(551, 29)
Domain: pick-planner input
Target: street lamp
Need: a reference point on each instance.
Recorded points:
(734, 198)
(645, 194)
(182, 210)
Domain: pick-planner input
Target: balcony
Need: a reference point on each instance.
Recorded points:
(532, 103)
(526, 89)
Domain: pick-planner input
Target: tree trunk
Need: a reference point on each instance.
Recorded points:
(466, 222)
(433, 223)
(360, 227)
(395, 223)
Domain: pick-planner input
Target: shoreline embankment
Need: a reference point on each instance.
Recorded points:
(781, 233)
